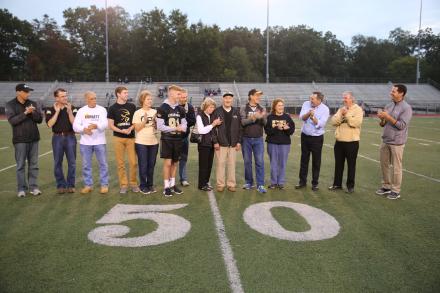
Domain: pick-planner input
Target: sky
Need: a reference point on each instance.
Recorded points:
(344, 18)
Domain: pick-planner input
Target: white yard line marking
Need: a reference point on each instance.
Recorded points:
(12, 166)
(375, 144)
(228, 256)
(425, 144)
(409, 137)
(3, 148)
(405, 170)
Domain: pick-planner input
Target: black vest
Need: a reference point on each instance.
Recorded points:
(206, 138)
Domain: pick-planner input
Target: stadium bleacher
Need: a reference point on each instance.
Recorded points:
(424, 97)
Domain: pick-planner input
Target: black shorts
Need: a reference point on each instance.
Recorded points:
(171, 149)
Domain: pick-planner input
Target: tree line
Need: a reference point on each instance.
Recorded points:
(167, 47)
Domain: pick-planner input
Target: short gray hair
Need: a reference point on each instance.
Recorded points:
(349, 93)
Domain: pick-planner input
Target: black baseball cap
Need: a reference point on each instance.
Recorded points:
(22, 87)
(228, 94)
(254, 92)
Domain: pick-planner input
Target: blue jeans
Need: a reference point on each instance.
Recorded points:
(183, 160)
(256, 146)
(101, 155)
(26, 151)
(278, 154)
(64, 145)
(146, 161)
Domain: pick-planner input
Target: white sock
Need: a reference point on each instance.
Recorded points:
(172, 182)
(166, 183)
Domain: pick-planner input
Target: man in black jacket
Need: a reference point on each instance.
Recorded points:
(191, 121)
(226, 138)
(23, 115)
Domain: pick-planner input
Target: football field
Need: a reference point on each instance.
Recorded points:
(282, 241)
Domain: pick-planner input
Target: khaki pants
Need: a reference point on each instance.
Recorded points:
(391, 165)
(122, 146)
(225, 157)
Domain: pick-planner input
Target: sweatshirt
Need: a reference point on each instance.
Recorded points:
(275, 135)
(348, 128)
(87, 116)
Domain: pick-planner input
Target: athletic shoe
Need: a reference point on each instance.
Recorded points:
(104, 189)
(184, 183)
(300, 185)
(36, 192)
(21, 194)
(334, 187)
(167, 192)
(261, 189)
(280, 186)
(152, 189)
(383, 191)
(393, 195)
(248, 186)
(176, 190)
(205, 188)
(86, 189)
(272, 186)
(123, 190)
(210, 186)
(145, 190)
(315, 187)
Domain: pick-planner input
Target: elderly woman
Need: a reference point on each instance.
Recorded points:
(279, 128)
(146, 142)
(205, 146)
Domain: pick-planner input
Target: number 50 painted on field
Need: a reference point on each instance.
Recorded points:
(172, 227)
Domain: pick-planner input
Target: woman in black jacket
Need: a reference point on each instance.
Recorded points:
(279, 128)
(205, 146)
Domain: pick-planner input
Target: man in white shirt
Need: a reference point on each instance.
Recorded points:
(91, 122)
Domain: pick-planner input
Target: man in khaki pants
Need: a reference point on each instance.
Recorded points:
(395, 120)
(120, 116)
(226, 138)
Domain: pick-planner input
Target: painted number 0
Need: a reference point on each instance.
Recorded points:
(171, 227)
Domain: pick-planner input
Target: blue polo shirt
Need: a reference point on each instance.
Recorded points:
(321, 113)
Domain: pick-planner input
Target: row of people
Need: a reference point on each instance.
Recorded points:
(220, 131)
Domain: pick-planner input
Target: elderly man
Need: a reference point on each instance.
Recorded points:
(395, 120)
(91, 122)
(348, 121)
(314, 115)
(24, 115)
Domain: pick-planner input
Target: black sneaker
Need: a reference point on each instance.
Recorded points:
(334, 187)
(280, 186)
(272, 186)
(176, 190)
(167, 192)
(393, 195)
(205, 188)
(383, 191)
(145, 190)
(152, 189)
(300, 185)
(315, 187)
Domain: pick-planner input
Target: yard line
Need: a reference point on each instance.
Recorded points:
(3, 148)
(12, 166)
(405, 170)
(409, 137)
(375, 144)
(228, 256)
(425, 144)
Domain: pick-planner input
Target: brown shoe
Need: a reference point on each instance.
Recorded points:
(86, 189)
(220, 189)
(71, 190)
(103, 190)
(232, 189)
(61, 191)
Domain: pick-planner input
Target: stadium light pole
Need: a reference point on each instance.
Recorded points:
(418, 47)
(107, 75)
(267, 44)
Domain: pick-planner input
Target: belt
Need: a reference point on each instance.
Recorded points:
(67, 133)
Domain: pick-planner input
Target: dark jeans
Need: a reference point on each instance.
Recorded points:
(206, 157)
(310, 145)
(64, 145)
(255, 146)
(345, 151)
(147, 155)
(183, 159)
(26, 151)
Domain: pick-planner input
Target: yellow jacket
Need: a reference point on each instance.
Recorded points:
(348, 128)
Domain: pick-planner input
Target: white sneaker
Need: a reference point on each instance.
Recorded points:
(184, 183)
(21, 194)
(36, 191)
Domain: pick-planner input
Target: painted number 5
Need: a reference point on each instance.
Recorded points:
(169, 227)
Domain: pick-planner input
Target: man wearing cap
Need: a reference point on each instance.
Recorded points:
(24, 115)
(314, 115)
(60, 118)
(226, 138)
(253, 119)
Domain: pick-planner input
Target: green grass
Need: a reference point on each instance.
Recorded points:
(383, 245)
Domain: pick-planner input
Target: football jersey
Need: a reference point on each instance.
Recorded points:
(172, 118)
